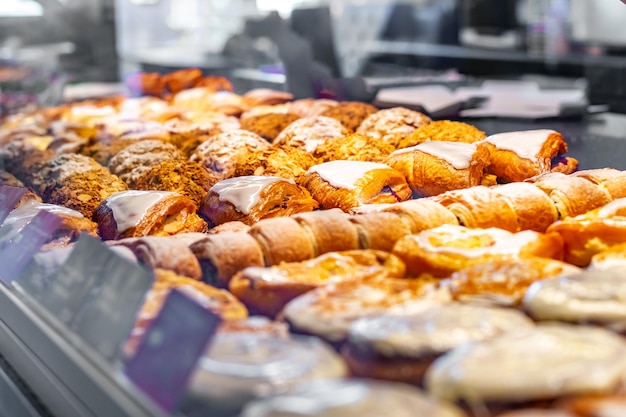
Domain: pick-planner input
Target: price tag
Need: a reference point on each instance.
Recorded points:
(17, 252)
(170, 350)
(9, 196)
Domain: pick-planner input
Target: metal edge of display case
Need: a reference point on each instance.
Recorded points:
(65, 379)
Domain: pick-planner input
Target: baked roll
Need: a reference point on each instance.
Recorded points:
(269, 125)
(503, 281)
(444, 131)
(480, 207)
(446, 249)
(422, 214)
(282, 239)
(348, 184)
(401, 347)
(516, 156)
(310, 107)
(350, 113)
(250, 199)
(571, 195)
(612, 180)
(392, 125)
(381, 230)
(533, 208)
(147, 213)
(281, 161)
(354, 147)
(310, 132)
(267, 290)
(432, 168)
(331, 230)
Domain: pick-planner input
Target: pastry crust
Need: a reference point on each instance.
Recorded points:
(354, 147)
(446, 249)
(443, 130)
(350, 113)
(534, 209)
(422, 214)
(147, 213)
(310, 107)
(250, 199)
(381, 231)
(281, 161)
(392, 125)
(612, 180)
(348, 184)
(433, 168)
(283, 240)
(480, 207)
(235, 226)
(310, 132)
(331, 230)
(266, 97)
(269, 125)
(266, 291)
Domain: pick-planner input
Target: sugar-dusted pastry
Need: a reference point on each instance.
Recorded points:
(480, 207)
(266, 97)
(203, 99)
(267, 290)
(220, 152)
(147, 213)
(222, 255)
(328, 311)
(186, 178)
(533, 208)
(250, 199)
(381, 230)
(434, 167)
(269, 125)
(612, 180)
(310, 132)
(332, 230)
(279, 161)
(422, 214)
(348, 184)
(392, 125)
(571, 195)
(612, 258)
(282, 239)
(310, 107)
(538, 363)
(354, 147)
(503, 281)
(446, 249)
(401, 347)
(445, 131)
(516, 156)
(350, 113)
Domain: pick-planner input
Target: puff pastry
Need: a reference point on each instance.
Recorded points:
(250, 199)
(267, 290)
(348, 184)
(350, 113)
(612, 180)
(443, 130)
(282, 239)
(280, 161)
(354, 147)
(422, 214)
(446, 249)
(392, 125)
(331, 230)
(142, 213)
(432, 168)
(381, 230)
(533, 208)
(310, 132)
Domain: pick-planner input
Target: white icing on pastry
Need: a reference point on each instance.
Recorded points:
(457, 154)
(244, 192)
(613, 208)
(31, 208)
(345, 174)
(435, 330)
(129, 207)
(542, 362)
(526, 144)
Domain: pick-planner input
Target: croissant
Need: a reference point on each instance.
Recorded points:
(332, 230)
(143, 213)
(432, 168)
(612, 180)
(381, 230)
(422, 214)
(533, 208)
(282, 239)
(348, 184)
(267, 290)
(250, 199)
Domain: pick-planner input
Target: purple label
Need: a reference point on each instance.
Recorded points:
(171, 348)
(16, 253)
(9, 196)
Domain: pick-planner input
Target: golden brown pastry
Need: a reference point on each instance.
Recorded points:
(480, 207)
(250, 199)
(446, 249)
(215, 83)
(432, 168)
(392, 125)
(282, 239)
(516, 156)
(205, 99)
(310, 107)
(222, 255)
(350, 113)
(612, 180)
(182, 79)
(102, 150)
(261, 110)
(348, 184)
(310, 132)
(354, 147)
(533, 208)
(235, 227)
(613, 257)
(9, 180)
(381, 230)
(147, 213)
(331, 230)
(186, 178)
(422, 214)
(571, 195)
(266, 97)
(279, 161)
(445, 131)
(267, 290)
(269, 125)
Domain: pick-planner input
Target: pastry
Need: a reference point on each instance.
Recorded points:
(503, 281)
(350, 113)
(348, 184)
(310, 107)
(280, 161)
(215, 83)
(422, 214)
(186, 178)
(235, 226)
(533, 208)
(593, 406)
(205, 99)
(282, 239)
(9, 180)
(102, 150)
(146, 213)
(222, 255)
(354, 147)
(331, 230)
(446, 249)
(310, 132)
(269, 125)
(432, 168)
(267, 109)
(612, 180)
(182, 79)
(220, 152)
(266, 97)
(392, 125)
(144, 83)
(516, 156)
(480, 207)
(537, 412)
(256, 325)
(267, 290)
(613, 257)
(445, 131)
(250, 199)
(401, 347)
(381, 230)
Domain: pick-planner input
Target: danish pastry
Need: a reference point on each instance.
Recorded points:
(310, 132)
(354, 147)
(280, 161)
(443, 130)
(612, 180)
